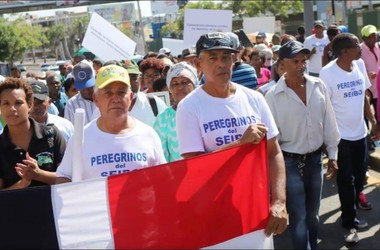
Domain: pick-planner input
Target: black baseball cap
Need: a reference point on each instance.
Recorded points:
(291, 49)
(214, 41)
(40, 90)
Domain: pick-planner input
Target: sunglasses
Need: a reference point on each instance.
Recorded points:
(222, 42)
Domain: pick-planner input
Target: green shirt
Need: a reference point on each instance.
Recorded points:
(165, 126)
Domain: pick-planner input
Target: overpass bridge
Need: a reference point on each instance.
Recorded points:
(12, 6)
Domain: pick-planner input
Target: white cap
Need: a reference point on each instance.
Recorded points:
(164, 51)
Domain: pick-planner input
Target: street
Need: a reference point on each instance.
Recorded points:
(331, 233)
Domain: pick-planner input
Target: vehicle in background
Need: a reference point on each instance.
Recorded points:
(49, 67)
(61, 62)
(21, 67)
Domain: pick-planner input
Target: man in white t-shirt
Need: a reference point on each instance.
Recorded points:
(346, 81)
(129, 143)
(316, 44)
(222, 114)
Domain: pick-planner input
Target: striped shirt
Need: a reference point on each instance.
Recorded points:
(244, 74)
(78, 101)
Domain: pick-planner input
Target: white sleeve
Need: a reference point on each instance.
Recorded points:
(363, 70)
(159, 153)
(307, 44)
(68, 112)
(188, 129)
(66, 167)
(267, 118)
(323, 75)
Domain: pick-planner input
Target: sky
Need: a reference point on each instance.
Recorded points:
(144, 5)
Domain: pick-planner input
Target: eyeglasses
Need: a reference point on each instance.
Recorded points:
(151, 76)
(177, 85)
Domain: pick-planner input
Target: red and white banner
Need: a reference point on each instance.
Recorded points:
(217, 200)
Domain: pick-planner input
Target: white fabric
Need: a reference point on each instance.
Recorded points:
(205, 123)
(264, 88)
(142, 110)
(78, 101)
(254, 240)
(311, 125)
(314, 64)
(64, 126)
(53, 109)
(81, 215)
(107, 154)
(347, 93)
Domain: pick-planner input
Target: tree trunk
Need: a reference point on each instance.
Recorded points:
(66, 49)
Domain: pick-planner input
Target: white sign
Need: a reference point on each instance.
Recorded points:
(259, 24)
(106, 41)
(199, 22)
(163, 95)
(164, 7)
(176, 45)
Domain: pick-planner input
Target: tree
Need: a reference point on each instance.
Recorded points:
(176, 28)
(16, 38)
(55, 35)
(77, 31)
(240, 8)
(256, 8)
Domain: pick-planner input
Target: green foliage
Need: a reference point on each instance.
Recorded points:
(17, 37)
(55, 35)
(249, 8)
(176, 28)
(240, 8)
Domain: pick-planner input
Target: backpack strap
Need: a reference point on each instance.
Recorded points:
(153, 104)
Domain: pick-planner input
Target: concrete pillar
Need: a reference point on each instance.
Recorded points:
(308, 16)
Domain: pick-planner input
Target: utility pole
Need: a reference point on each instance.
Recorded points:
(142, 28)
(308, 15)
(333, 11)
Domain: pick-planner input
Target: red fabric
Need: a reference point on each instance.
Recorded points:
(191, 203)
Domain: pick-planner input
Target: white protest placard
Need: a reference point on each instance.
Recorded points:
(175, 45)
(106, 41)
(265, 24)
(163, 95)
(198, 22)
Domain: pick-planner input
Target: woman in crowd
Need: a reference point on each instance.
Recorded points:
(257, 62)
(30, 152)
(181, 80)
(151, 69)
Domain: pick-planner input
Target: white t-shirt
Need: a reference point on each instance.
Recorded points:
(142, 109)
(64, 126)
(206, 123)
(107, 154)
(347, 93)
(314, 64)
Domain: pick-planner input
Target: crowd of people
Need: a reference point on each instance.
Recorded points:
(310, 97)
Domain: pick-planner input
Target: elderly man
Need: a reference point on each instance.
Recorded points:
(220, 99)
(130, 144)
(303, 99)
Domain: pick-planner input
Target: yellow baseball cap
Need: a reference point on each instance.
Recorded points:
(368, 30)
(109, 74)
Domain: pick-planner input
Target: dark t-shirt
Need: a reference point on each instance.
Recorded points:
(47, 146)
